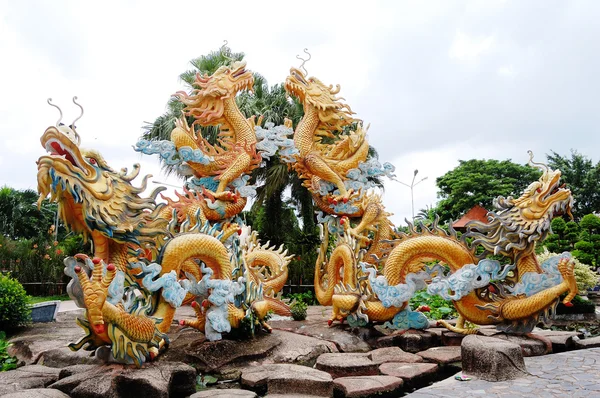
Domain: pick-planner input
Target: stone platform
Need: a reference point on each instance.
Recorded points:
(305, 358)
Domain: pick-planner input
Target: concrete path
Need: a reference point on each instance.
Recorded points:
(68, 305)
(573, 374)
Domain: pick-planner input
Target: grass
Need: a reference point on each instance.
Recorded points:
(41, 299)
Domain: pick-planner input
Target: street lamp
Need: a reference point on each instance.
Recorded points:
(411, 186)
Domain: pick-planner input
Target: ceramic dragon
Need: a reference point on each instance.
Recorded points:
(149, 258)
(373, 272)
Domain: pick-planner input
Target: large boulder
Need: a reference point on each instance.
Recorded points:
(37, 393)
(287, 379)
(153, 380)
(299, 349)
(208, 356)
(492, 359)
(27, 377)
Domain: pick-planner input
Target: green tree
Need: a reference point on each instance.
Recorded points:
(587, 250)
(582, 177)
(564, 236)
(20, 216)
(480, 182)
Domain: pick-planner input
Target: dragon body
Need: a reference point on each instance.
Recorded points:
(148, 257)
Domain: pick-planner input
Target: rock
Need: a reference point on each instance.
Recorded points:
(31, 342)
(208, 356)
(487, 330)
(410, 341)
(156, 379)
(591, 342)
(180, 341)
(413, 374)
(365, 386)
(287, 379)
(561, 340)
(299, 349)
(224, 393)
(492, 359)
(393, 354)
(530, 347)
(27, 377)
(315, 325)
(75, 369)
(37, 393)
(347, 364)
(63, 356)
(451, 339)
(441, 355)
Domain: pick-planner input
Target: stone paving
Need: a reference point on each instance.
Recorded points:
(574, 374)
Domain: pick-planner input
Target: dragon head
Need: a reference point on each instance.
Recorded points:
(207, 103)
(542, 200)
(91, 196)
(525, 220)
(312, 92)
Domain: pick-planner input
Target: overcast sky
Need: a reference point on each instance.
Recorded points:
(437, 81)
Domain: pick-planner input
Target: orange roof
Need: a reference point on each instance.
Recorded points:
(476, 213)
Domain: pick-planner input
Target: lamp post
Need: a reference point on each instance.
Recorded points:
(411, 186)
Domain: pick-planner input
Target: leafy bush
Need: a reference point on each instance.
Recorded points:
(307, 297)
(580, 306)
(585, 277)
(298, 309)
(7, 362)
(438, 307)
(14, 304)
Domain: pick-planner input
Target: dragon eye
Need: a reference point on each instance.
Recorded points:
(93, 161)
(539, 190)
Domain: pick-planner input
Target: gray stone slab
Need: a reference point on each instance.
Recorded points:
(347, 364)
(366, 386)
(393, 354)
(441, 355)
(224, 393)
(287, 379)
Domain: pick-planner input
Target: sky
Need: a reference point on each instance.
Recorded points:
(437, 81)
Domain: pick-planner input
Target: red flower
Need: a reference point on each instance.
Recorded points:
(58, 252)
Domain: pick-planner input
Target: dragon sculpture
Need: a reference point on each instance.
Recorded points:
(372, 272)
(150, 258)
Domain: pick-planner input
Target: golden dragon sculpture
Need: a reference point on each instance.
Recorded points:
(373, 272)
(148, 257)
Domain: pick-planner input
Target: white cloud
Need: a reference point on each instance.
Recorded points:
(469, 49)
(508, 71)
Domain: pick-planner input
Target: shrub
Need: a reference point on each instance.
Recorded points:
(298, 309)
(7, 362)
(14, 304)
(307, 297)
(585, 277)
(438, 307)
(580, 306)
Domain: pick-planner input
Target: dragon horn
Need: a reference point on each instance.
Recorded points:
(541, 166)
(73, 124)
(56, 106)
